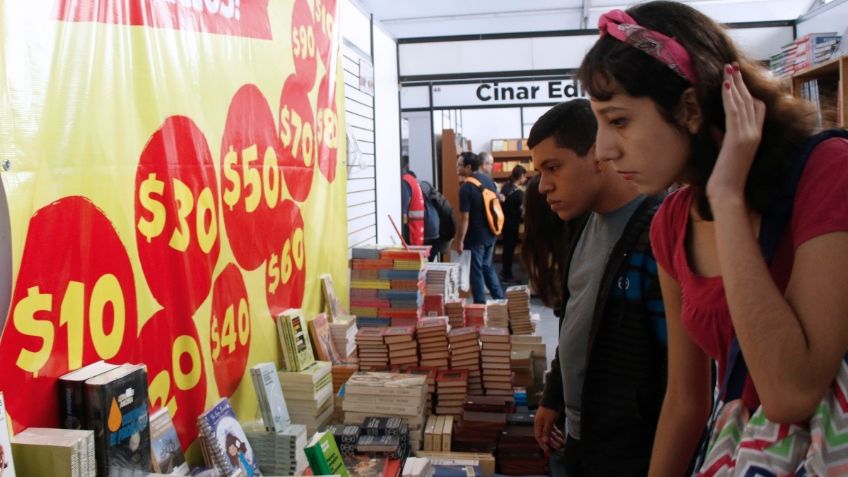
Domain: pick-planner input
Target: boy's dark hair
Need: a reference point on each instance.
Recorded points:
(611, 64)
(471, 159)
(572, 125)
(517, 173)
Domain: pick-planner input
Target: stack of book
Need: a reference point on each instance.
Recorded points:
(403, 349)
(365, 285)
(223, 441)
(373, 352)
(341, 373)
(384, 437)
(451, 391)
(521, 364)
(407, 279)
(294, 340)
(455, 309)
(438, 433)
(483, 419)
(475, 315)
(369, 394)
(442, 279)
(539, 360)
(518, 298)
(433, 342)
(269, 392)
(497, 314)
(519, 453)
(343, 333)
(430, 373)
(281, 452)
(496, 354)
(309, 395)
(54, 452)
(465, 354)
(346, 436)
(434, 305)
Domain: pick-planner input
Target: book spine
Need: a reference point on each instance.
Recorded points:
(97, 402)
(72, 404)
(256, 377)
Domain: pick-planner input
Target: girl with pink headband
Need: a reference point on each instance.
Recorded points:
(753, 250)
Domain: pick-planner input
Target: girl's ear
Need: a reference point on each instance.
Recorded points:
(689, 114)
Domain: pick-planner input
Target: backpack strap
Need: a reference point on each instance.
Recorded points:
(474, 181)
(774, 222)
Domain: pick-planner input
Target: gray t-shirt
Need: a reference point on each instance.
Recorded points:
(588, 263)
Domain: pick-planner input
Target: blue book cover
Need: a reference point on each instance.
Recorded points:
(223, 431)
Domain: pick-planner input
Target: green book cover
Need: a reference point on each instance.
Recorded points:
(323, 452)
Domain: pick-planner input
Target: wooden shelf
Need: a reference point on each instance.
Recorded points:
(502, 175)
(835, 73)
(523, 154)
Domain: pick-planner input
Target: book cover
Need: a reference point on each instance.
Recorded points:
(7, 465)
(72, 393)
(272, 403)
(324, 456)
(226, 441)
(364, 466)
(44, 455)
(167, 455)
(298, 347)
(322, 342)
(331, 304)
(118, 415)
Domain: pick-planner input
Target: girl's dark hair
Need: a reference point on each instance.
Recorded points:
(789, 121)
(471, 159)
(543, 249)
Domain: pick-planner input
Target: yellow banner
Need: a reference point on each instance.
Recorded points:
(175, 177)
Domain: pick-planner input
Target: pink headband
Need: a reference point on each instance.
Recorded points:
(665, 49)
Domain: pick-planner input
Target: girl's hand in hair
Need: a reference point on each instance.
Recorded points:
(744, 117)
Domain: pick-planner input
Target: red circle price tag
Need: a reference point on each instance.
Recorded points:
(285, 273)
(175, 373)
(251, 181)
(297, 135)
(176, 215)
(324, 13)
(229, 329)
(74, 303)
(303, 46)
(327, 128)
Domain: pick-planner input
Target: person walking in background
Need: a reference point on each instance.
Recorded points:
(678, 102)
(474, 232)
(487, 163)
(412, 206)
(608, 374)
(513, 199)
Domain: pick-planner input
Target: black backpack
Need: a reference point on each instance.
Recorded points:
(447, 219)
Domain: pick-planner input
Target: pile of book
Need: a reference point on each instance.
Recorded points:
(280, 452)
(521, 364)
(385, 284)
(433, 342)
(465, 354)
(518, 298)
(497, 315)
(343, 333)
(438, 433)
(373, 352)
(417, 467)
(369, 394)
(519, 453)
(483, 420)
(804, 52)
(451, 391)
(294, 340)
(384, 437)
(346, 436)
(496, 354)
(455, 309)
(403, 349)
(54, 452)
(442, 279)
(475, 315)
(430, 373)
(539, 363)
(220, 433)
(309, 395)
(341, 373)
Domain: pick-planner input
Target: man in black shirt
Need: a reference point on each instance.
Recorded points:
(512, 197)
